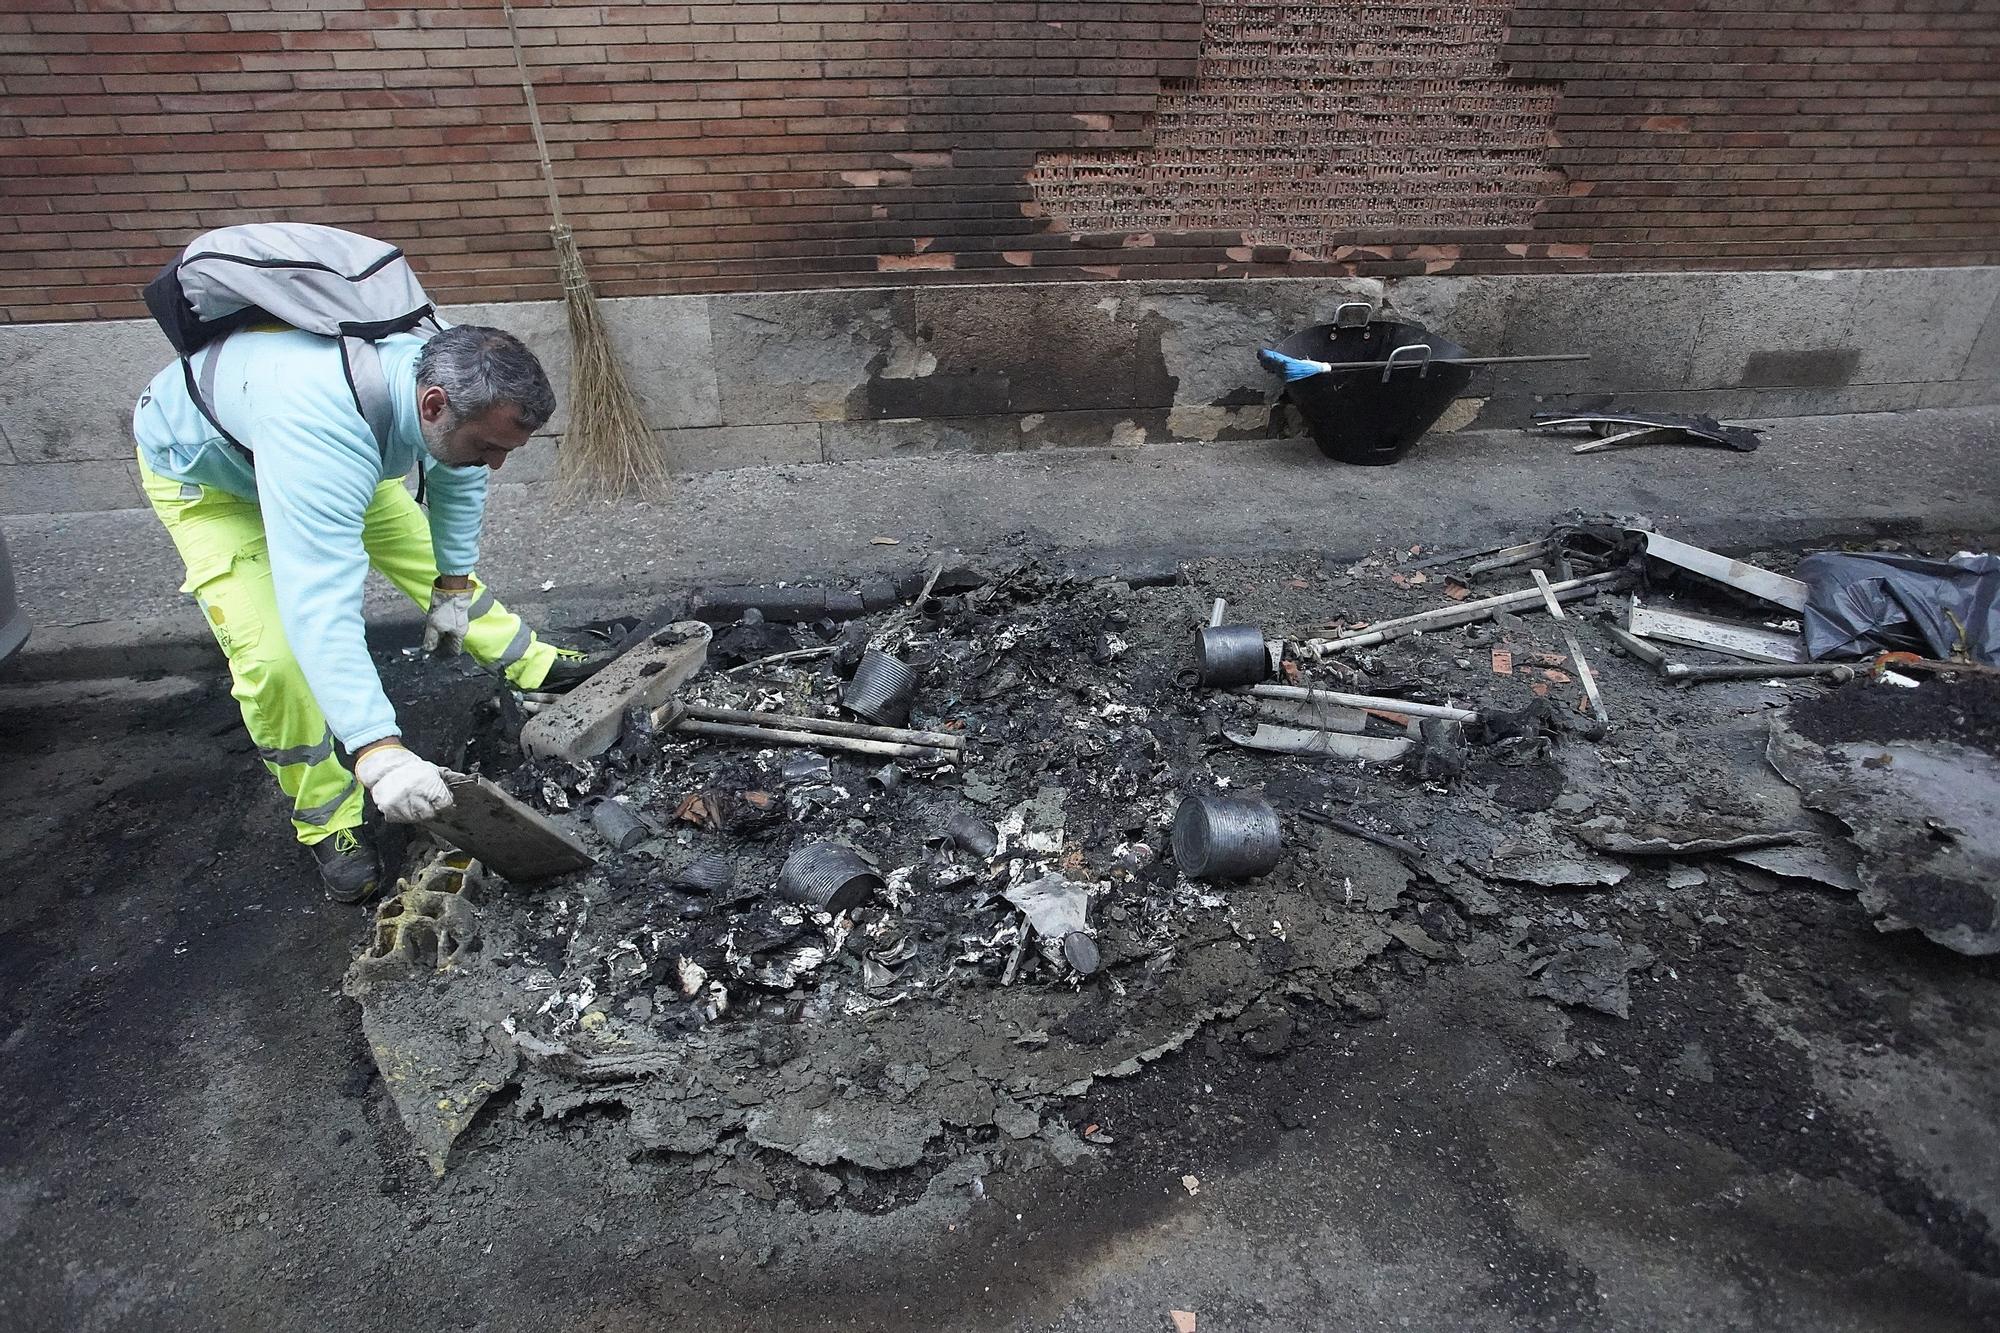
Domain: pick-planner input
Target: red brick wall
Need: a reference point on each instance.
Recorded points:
(1770, 133)
(711, 147)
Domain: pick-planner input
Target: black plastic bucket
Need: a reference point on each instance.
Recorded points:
(1372, 417)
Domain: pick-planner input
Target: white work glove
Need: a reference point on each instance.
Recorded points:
(449, 618)
(407, 790)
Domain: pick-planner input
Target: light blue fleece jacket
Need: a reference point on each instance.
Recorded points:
(285, 396)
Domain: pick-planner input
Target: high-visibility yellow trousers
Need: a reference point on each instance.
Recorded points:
(221, 541)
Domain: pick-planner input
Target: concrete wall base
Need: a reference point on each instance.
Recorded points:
(833, 375)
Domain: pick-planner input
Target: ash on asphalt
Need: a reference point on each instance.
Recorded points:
(1363, 1090)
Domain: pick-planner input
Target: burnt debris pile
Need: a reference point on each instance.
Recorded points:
(892, 881)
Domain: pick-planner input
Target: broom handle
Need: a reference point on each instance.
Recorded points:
(534, 117)
(1457, 361)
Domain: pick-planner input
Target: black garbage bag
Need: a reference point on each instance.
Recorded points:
(1862, 604)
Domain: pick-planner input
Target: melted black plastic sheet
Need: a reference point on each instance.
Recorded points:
(1862, 604)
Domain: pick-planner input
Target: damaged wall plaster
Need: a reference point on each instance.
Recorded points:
(1307, 125)
(834, 375)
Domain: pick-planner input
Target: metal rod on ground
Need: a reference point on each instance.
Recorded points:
(1576, 657)
(1624, 439)
(1695, 675)
(795, 654)
(930, 583)
(1512, 555)
(1447, 617)
(826, 726)
(1462, 553)
(817, 740)
(1376, 702)
(1354, 830)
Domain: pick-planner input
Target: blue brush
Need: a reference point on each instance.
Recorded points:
(1291, 367)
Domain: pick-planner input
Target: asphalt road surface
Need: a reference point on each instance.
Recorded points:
(1796, 1129)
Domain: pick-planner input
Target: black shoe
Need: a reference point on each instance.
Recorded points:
(347, 866)
(573, 666)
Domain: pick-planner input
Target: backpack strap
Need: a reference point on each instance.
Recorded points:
(370, 384)
(205, 379)
(360, 360)
(201, 388)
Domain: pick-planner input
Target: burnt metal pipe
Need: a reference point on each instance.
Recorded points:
(1838, 672)
(943, 740)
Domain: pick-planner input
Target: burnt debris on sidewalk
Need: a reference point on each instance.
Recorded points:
(1625, 428)
(891, 881)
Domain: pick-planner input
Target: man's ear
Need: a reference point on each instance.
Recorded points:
(431, 403)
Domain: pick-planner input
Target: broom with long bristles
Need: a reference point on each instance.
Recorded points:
(608, 452)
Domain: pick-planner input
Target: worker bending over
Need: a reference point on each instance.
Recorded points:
(279, 521)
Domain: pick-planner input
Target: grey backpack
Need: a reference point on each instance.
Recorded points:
(318, 279)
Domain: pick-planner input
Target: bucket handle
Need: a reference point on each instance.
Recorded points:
(1420, 358)
(1344, 317)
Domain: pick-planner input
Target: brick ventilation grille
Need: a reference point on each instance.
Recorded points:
(1308, 124)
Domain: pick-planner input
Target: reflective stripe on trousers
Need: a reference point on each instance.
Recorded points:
(299, 754)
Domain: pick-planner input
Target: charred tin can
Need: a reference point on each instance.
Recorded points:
(972, 835)
(617, 825)
(881, 689)
(706, 874)
(807, 769)
(828, 877)
(1079, 950)
(1228, 655)
(1226, 837)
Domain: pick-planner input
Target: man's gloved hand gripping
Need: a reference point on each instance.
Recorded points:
(450, 616)
(407, 789)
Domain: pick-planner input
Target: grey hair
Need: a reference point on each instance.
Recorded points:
(478, 367)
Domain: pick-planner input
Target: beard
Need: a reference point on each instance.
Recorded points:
(437, 433)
